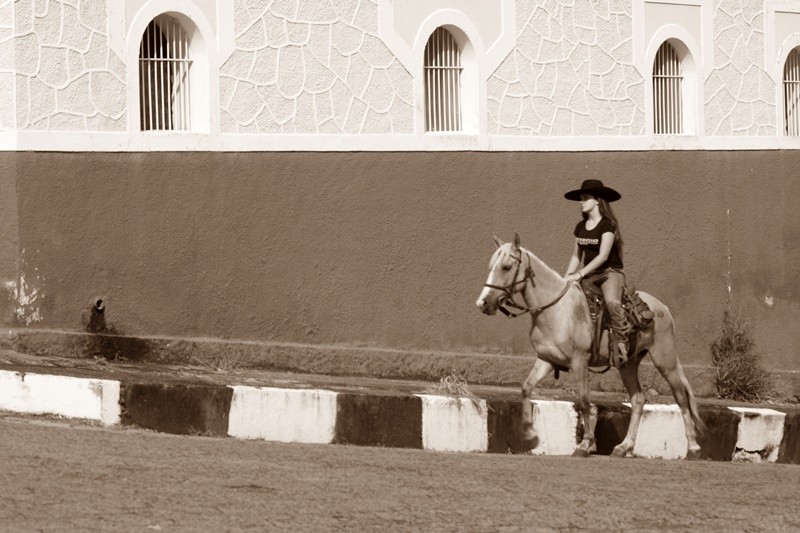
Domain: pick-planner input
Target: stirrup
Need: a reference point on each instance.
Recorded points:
(620, 356)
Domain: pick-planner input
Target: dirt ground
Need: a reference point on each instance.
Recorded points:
(59, 474)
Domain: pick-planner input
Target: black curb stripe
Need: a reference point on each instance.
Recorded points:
(180, 409)
(611, 428)
(719, 442)
(372, 420)
(503, 424)
(789, 452)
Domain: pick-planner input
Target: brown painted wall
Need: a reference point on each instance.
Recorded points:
(389, 249)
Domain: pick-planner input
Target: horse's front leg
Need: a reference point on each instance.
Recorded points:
(585, 407)
(541, 369)
(630, 377)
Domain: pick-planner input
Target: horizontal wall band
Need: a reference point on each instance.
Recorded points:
(425, 421)
(72, 141)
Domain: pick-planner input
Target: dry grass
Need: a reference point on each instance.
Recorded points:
(454, 385)
(65, 476)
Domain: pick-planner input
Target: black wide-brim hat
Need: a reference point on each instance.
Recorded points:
(595, 188)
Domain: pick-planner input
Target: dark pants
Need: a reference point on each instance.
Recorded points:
(611, 281)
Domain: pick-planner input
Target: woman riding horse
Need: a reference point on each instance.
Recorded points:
(562, 329)
(598, 243)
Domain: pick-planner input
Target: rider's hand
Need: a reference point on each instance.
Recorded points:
(573, 277)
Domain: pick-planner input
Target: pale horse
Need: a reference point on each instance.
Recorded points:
(561, 332)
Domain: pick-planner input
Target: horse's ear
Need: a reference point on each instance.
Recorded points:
(497, 241)
(516, 240)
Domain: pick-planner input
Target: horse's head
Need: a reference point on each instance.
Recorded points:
(506, 276)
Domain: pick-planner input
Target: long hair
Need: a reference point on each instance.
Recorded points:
(606, 211)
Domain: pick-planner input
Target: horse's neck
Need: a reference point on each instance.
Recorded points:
(547, 283)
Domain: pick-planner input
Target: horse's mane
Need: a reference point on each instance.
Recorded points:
(544, 265)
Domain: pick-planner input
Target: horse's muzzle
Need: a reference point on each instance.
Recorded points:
(485, 307)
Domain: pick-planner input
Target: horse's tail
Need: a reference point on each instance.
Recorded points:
(698, 422)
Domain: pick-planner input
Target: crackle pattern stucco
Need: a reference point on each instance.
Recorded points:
(65, 75)
(313, 66)
(739, 94)
(571, 72)
(7, 71)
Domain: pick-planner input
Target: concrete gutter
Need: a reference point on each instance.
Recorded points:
(370, 413)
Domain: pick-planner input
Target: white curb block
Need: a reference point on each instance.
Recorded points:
(283, 415)
(661, 433)
(93, 399)
(454, 424)
(760, 434)
(556, 424)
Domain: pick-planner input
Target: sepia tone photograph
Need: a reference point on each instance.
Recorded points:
(399, 265)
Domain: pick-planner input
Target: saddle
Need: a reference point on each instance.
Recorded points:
(637, 312)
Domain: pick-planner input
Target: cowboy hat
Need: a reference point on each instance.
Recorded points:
(595, 188)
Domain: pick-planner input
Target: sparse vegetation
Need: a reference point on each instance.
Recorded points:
(739, 373)
(456, 386)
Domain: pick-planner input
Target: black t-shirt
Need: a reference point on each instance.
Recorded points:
(589, 243)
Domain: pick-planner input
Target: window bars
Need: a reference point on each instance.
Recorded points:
(442, 82)
(791, 94)
(164, 66)
(667, 82)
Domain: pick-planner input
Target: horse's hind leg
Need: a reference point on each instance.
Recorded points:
(630, 377)
(541, 369)
(665, 360)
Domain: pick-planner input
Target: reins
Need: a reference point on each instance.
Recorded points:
(509, 290)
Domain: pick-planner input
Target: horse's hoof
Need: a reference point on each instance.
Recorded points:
(619, 452)
(580, 452)
(693, 455)
(530, 440)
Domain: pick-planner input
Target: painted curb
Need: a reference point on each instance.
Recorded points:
(661, 433)
(283, 415)
(379, 420)
(180, 409)
(454, 424)
(92, 399)
(556, 424)
(424, 421)
(790, 447)
(760, 434)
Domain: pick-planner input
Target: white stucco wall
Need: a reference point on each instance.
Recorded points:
(7, 68)
(739, 94)
(349, 69)
(309, 66)
(571, 72)
(67, 78)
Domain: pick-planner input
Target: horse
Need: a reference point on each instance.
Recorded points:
(561, 332)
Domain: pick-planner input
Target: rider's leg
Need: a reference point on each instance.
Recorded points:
(620, 328)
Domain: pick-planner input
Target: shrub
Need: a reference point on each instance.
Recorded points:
(738, 370)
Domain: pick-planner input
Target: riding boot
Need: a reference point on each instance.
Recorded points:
(620, 328)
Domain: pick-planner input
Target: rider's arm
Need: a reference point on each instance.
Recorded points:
(575, 260)
(606, 243)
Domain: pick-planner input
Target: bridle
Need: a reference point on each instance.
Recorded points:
(509, 291)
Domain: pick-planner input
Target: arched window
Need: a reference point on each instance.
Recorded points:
(791, 94)
(667, 91)
(164, 71)
(442, 82)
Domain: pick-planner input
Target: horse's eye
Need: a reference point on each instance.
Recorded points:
(506, 268)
